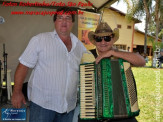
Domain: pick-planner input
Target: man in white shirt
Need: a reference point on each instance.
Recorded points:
(55, 58)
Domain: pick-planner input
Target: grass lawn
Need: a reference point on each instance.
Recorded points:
(150, 93)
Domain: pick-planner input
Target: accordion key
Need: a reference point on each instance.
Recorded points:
(107, 90)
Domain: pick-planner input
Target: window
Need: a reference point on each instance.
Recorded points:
(120, 46)
(118, 26)
(129, 27)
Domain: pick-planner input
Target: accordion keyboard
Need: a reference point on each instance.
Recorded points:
(87, 91)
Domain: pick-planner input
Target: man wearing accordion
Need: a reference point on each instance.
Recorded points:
(106, 102)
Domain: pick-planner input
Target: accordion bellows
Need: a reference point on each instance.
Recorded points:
(107, 90)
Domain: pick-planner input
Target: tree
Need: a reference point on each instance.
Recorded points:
(161, 20)
(138, 8)
(147, 6)
(161, 35)
(158, 16)
(156, 24)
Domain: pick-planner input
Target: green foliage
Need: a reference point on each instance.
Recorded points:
(160, 34)
(156, 44)
(134, 9)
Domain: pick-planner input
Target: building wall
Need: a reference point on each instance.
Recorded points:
(139, 39)
(113, 19)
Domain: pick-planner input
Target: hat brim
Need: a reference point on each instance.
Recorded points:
(91, 35)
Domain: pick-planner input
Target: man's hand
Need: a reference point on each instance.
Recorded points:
(133, 58)
(17, 96)
(104, 55)
(18, 99)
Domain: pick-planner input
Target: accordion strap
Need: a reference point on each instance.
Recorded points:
(94, 52)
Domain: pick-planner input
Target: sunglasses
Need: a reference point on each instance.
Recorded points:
(99, 39)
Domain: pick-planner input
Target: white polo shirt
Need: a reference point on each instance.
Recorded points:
(55, 76)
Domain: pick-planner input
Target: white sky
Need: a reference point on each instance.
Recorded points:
(122, 7)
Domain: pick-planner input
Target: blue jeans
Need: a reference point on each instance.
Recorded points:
(39, 114)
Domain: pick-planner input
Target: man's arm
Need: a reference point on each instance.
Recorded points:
(134, 58)
(20, 75)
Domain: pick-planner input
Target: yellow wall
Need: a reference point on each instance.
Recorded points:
(139, 39)
(113, 19)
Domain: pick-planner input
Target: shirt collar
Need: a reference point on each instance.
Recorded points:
(74, 39)
(55, 33)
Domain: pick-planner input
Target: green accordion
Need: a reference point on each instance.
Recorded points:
(107, 90)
